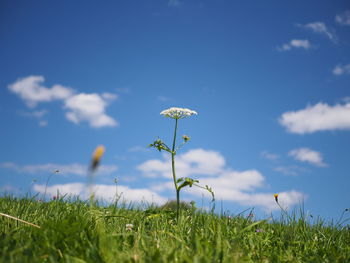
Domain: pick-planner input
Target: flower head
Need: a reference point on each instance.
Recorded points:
(185, 138)
(129, 227)
(276, 197)
(96, 157)
(178, 113)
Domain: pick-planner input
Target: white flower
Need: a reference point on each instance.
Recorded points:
(178, 113)
(129, 227)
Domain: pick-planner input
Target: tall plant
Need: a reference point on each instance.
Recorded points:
(179, 183)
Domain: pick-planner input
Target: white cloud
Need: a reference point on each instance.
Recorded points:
(39, 114)
(75, 168)
(341, 69)
(90, 108)
(295, 43)
(343, 18)
(174, 3)
(81, 107)
(43, 123)
(139, 149)
(307, 155)
(292, 170)
(269, 156)
(102, 191)
(9, 189)
(320, 117)
(321, 28)
(34, 114)
(286, 199)
(197, 161)
(209, 167)
(31, 90)
(109, 96)
(163, 98)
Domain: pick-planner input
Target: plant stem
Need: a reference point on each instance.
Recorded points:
(47, 182)
(173, 153)
(20, 220)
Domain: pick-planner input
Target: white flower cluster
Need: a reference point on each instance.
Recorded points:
(129, 227)
(178, 113)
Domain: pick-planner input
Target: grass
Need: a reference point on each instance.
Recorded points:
(72, 231)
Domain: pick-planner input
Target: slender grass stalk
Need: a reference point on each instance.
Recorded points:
(20, 220)
(47, 181)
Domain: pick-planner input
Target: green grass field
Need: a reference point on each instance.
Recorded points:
(74, 231)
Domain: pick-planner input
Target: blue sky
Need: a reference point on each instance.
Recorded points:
(269, 80)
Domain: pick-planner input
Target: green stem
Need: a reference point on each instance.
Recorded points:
(285, 212)
(177, 204)
(173, 152)
(47, 183)
(174, 140)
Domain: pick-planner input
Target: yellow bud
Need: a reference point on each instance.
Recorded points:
(99, 151)
(185, 138)
(276, 197)
(96, 157)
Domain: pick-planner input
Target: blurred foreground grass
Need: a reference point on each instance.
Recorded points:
(72, 231)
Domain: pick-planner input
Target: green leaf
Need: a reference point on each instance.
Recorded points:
(187, 182)
(252, 225)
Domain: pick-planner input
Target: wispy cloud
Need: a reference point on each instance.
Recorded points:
(343, 18)
(308, 155)
(43, 123)
(174, 3)
(39, 114)
(291, 170)
(321, 28)
(103, 191)
(163, 98)
(9, 189)
(295, 43)
(320, 117)
(211, 169)
(34, 114)
(269, 156)
(65, 169)
(341, 70)
(138, 149)
(89, 107)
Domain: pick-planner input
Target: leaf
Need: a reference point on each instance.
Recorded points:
(252, 225)
(181, 179)
(187, 182)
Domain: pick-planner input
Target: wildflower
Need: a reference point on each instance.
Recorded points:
(250, 216)
(178, 113)
(185, 138)
(96, 157)
(259, 230)
(129, 227)
(276, 197)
